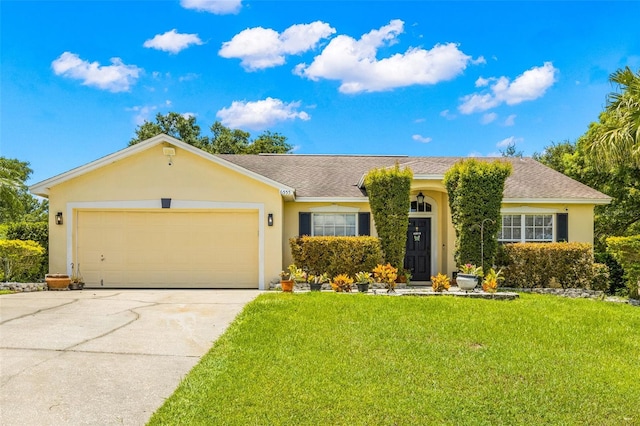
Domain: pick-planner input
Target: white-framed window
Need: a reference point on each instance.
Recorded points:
(522, 228)
(334, 224)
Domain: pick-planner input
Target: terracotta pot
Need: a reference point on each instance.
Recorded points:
(287, 285)
(57, 281)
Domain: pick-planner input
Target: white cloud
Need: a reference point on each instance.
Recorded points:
(447, 114)
(142, 113)
(219, 7)
(260, 48)
(419, 120)
(188, 77)
(511, 140)
(488, 118)
(510, 120)
(260, 115)
(482, 82)
(421, 139)
(354, 63)
(116, 77)
(172, 41)
(528, 86)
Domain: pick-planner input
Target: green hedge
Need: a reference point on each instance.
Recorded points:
(626, 250)
(19, 260)
(617, 282)
(336, 255)
(388, 190)
(33, 231)
(555, 265)
(475, 196)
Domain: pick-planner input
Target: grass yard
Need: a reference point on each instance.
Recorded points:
(340, 359)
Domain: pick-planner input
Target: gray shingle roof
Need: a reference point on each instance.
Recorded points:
(338, 175)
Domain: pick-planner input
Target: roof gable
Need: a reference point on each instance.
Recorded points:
(42, 188)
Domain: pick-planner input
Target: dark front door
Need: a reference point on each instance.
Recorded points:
(418, 257)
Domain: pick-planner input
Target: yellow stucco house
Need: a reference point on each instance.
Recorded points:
(163, 213)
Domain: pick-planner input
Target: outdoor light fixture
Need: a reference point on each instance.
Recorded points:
(59, 218)
(270, 219)
(420, 198)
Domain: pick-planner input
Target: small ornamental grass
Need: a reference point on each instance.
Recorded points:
(325, 359)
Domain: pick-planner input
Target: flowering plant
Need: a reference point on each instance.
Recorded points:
(471, 269)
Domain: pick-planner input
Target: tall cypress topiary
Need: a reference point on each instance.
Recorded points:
(389, 190)
(475, 193)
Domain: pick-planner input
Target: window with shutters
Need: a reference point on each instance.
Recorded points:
(522, 228)
(334, 224)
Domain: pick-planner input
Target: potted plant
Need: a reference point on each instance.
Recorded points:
(467, 277)
(342, 283)
(287, 278)
(387, 275)
(363, 279)
(57, 281)
(77, 282)
(440, 282)
(404, 276)
(491, 280)
(316, 281)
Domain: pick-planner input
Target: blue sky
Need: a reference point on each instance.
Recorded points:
(362, 77)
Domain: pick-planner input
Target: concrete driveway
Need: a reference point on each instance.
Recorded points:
(103, 357)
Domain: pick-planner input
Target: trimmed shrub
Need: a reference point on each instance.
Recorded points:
(475, 195)
(20, 259)
(626, 250)
(617, 283)
(33, 231)
(549, 265)
(388, 190)
(600, 280)
(336, 255)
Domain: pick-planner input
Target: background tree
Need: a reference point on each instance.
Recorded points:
(16, 203)
(510, 151)
(607, 158)
(223, 140)
(616, 140)
(173, 124)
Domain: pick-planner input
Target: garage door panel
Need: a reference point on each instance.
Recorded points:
(212, 249)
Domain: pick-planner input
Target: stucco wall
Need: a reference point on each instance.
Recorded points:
(147, 176)
(580, 217)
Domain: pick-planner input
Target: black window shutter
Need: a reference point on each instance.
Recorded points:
(364, 223)
(562, 227)
(304, 224)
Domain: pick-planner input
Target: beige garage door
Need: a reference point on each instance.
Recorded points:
(169, 249)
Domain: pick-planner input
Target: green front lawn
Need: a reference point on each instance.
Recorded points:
(340, 359)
